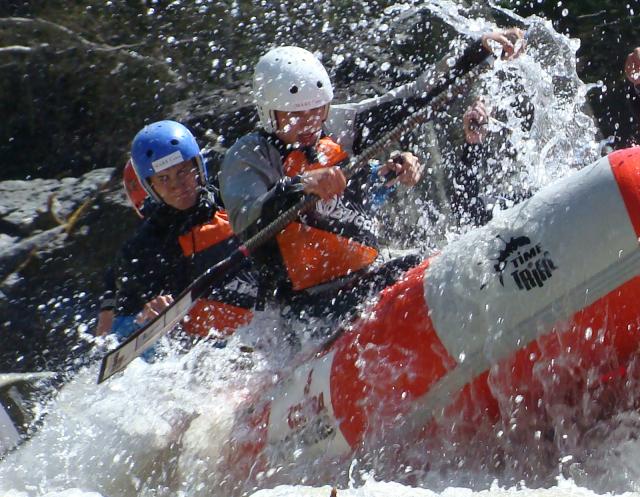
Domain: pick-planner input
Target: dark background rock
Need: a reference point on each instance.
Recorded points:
(71, 105)
(79, 79)
(51, 278)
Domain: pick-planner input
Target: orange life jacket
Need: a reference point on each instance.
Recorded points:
(208, 313)
(311, 255)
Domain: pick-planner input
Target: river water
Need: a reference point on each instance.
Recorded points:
(160, 428)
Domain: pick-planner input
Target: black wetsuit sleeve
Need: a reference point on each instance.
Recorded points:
(283, 195)
(108, 297)
(140, 276)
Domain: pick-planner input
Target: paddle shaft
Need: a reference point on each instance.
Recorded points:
(142, 339)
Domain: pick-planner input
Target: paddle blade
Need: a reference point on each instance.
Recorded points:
(145, 337)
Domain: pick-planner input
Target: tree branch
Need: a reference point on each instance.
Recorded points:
(90, 45)
(22, 48)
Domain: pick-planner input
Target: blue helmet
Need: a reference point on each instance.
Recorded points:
(161, 145)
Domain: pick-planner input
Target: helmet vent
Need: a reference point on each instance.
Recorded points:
(319, 84)
(293, 89)
(149, 153)
(174, 141)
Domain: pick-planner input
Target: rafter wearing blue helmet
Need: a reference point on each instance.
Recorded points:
(185, 234)
(161, 146)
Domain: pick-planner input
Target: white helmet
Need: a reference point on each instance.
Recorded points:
(289, 79)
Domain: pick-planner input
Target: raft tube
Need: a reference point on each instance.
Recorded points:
(554, 276)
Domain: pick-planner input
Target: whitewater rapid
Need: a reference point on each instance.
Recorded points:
(159, 428)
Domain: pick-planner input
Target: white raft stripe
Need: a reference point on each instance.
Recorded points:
(434, 402)
(614, 247)
(580, 224)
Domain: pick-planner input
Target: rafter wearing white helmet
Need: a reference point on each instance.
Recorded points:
(289, 79)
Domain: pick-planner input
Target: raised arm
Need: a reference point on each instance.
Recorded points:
(357, 125)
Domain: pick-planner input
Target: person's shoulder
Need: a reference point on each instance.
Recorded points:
(147, 235)
(250, 141)
(249, 147)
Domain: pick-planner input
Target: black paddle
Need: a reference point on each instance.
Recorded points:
(142, 339)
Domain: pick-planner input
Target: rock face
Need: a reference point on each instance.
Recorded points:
(72, 104)
(57, 235)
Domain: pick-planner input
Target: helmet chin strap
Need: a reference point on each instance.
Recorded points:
(153, 193)
(273, 121)
(199, 164)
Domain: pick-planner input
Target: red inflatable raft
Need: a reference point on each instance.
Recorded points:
(556, 276)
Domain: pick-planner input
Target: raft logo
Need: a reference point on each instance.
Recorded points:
(301, 414)
(309, 407)
(528, 264)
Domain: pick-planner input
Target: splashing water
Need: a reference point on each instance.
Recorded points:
(161, 428)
